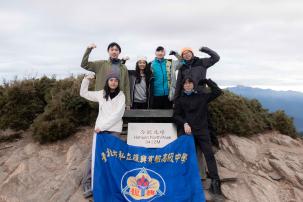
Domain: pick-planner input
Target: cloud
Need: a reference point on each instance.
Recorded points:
(259, 41)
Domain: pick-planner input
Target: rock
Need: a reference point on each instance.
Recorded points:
(285, 140)
(77, 197)
(74, 155)
(298, 194)
(264, 168)
(285, 171)
(30, 149)
(260, 173)
(245, 148)
(263, 189)
(226, 146)
(266, 171)
(274, 176)
(13, 161)
(237, 192)
(299, 177)
(34, 172)
(224, 160)
(264, 164)
(227, 175)
(276, 154)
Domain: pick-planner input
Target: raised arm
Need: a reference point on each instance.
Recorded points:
(178, 62)
(214, 57)
(90, 66)
(89, 95)
(215, 90)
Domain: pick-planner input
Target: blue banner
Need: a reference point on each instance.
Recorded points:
(128, 173)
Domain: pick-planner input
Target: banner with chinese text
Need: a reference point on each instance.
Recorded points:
(129, 173)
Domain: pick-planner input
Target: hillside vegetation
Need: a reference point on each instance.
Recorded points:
(53, 110)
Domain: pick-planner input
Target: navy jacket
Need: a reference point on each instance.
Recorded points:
(192, 109)
(196, 69)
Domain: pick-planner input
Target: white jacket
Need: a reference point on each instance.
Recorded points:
(110, 111)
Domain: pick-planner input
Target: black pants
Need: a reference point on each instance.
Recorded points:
(161, 102)
(138, 105)
(212, 130)
(203, 141)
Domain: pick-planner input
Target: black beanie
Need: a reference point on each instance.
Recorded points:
(159, 48)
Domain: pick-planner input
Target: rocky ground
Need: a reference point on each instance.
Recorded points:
(266, 167)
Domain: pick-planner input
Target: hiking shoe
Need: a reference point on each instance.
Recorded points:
(215, 189)
(215, 186)
(87, 190)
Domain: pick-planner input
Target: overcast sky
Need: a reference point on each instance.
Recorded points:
(260, 42)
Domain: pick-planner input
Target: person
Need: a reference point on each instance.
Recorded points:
(102, 67)
(197, 69)
(111, 109)
(164, 80)
(194, 67)
(190, 115)
(140, 84)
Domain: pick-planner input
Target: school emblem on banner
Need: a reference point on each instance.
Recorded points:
(142, 184)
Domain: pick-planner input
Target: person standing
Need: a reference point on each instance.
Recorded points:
(111, 109)
(102, 68)
(140, 84)
(190, 115)
(164, 80)
(194, 67)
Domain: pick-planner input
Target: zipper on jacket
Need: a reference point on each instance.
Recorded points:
(149, 92)
(162, 77)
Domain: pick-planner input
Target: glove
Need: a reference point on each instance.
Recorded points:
(202, 49)
(202, 82)
(172, 52)
(124, 59)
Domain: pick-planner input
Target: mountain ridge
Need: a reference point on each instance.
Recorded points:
(289, 101)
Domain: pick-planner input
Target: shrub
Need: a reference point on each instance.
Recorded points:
(22, 101)
(65, 111)
(53, 130)
(284, 124)
(54, 110)
(231, 113)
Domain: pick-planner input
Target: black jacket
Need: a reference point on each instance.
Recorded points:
(196, 69)
(192, 109)
(133, 79)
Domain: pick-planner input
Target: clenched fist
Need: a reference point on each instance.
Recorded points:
(173, 52)
(92, 45)
(90, 76)
(187, 129)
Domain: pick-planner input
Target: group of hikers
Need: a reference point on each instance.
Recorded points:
(179, 84)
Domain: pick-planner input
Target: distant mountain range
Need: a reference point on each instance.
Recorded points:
(289, 101)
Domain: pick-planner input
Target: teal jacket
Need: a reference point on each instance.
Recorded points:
(161, 87)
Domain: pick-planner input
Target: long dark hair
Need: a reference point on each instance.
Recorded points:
(107, 89)
(147, 72)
